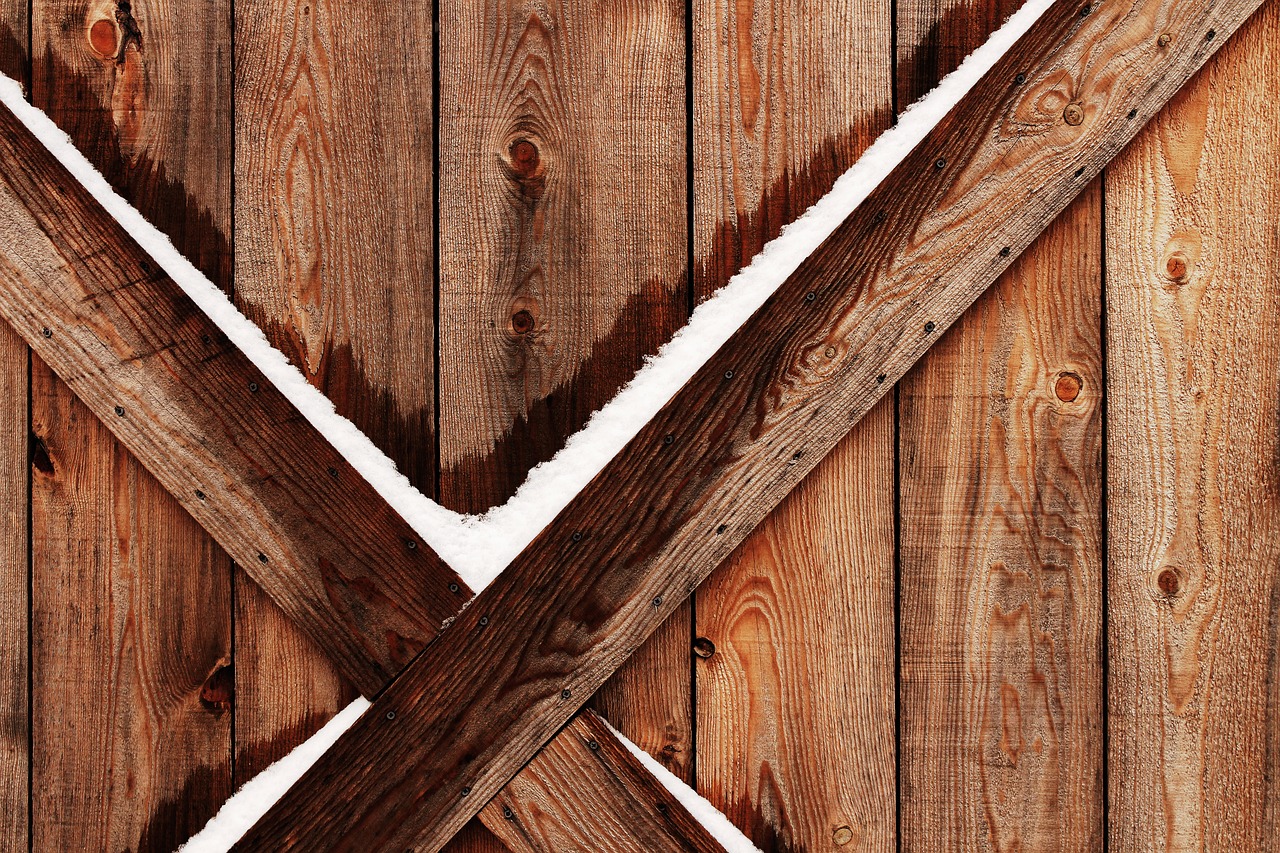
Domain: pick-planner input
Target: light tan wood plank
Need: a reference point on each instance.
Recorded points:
(1001, 568)
(503, 678)
(1193, 256)
(131, 599)
(801, 618)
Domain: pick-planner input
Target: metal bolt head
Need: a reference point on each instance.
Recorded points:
(120, 411)
(484, 620)
(454, 588)
(1020, 79)
(566, 693)
(929, 327)
(508, 813)
(593, 745)
(940, 163)
(391, 715)
(46, 332)
(657, 601)
(1073, 114)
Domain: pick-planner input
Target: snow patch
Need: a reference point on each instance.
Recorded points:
(238, 814)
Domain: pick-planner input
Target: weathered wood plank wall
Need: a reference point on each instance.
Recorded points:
(1000, 565)
(1193, 341)
(795, 631)
(131, 620)
(1000, 706)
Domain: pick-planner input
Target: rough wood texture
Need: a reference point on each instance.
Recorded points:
(1193, 255)
(240, 458)
(796, 693)
(562, 242)
(509, 672)
(1001, 561)
(1001, 572)
(798, 624)
(13, 39)
(552, 150)
(543, 807)
(148, 760)
(334, 261)
(14, 602)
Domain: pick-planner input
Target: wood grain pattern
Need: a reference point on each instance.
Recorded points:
(334, 261)
(1001, 572)
(543, 809)
(799, 622)
(562, 224)
(796, 695)
(567, 135)
(241, 459)
(14, 601)
(1193, 254)
(14, 15)
(482, 699)
(1001, 560)
(149, 760)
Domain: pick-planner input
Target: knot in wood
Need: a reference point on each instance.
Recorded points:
(1068, 386)
(103, 38)
(1073, 114)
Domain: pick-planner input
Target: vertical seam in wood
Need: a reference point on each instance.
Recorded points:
(231, 247)
(897, 504)
(1104, 546)
(690, 300)
(30, 601)
(435, 244)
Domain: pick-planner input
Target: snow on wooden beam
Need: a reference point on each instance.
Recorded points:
(255, 473)
(501, 681)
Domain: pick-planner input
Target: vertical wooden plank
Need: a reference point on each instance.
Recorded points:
(1001, 562)
(1193, 346)
(131, 600)
(334, 260)
(562, 261)
(794, 677)
(14, 514)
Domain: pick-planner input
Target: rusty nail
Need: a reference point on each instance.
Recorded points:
(1164, 39)
(1073, 114)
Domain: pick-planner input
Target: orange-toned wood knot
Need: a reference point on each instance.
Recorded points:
(704, 648)
(829, 352)
(1073, 114)
(842, 836)
(522, 322)
(525, 159)
(1164, 39)
(103, 38)
(1176, 267)
(1168, 582)
(218, 691)
(1068, 386)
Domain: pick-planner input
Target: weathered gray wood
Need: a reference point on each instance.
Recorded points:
(503, 678)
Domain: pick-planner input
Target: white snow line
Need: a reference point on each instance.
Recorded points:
(478, 548)
(712, 819)
(239, 813)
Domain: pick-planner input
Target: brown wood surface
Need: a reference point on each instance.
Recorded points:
(570, 133)
(510, 671)
(1193, 255)
(334, 262)
(1001, 565)
(14, 513)
(543, 807)
(1001, 542)
(130, 599)
(797, 627)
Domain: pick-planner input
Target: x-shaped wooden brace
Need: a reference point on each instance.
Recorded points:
(461, 710)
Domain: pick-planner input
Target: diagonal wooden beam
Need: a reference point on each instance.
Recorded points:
(499, 682)
(258, 476)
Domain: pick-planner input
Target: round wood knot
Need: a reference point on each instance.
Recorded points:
(103, 38)
(1073, 114)
(1068, 386)
(522, 322)
(1164, 39)
(218, 691)
(524, 158)
(704, 648)
(1168, 582)
(1176, 267)
(842, 836)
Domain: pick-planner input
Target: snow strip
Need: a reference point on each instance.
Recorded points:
(711, 818)
(478, 548)
(260, 793)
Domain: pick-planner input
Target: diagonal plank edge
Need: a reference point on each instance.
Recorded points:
(246, 464)
(503, 679)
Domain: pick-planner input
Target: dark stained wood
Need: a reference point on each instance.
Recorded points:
(798, 624)
(1001, 562)
(334, 261)
(562, 223)
(551, 150)
(1001, 572)
(483, 698)
(1193, 344)
(543, 809)
(126, 336)
(131, 600)
(14, 15)
(14, 602)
